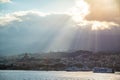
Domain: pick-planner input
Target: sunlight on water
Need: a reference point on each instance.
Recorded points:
(56, 75)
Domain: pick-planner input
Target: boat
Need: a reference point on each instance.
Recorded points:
(103, 70)
(72, 68)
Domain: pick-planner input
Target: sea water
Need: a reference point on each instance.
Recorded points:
(56, 75)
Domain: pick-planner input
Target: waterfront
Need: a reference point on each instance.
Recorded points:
(56, 75)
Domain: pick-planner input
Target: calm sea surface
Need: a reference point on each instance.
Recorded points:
(55, 75)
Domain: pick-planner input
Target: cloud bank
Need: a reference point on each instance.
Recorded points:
(106, 10)
(17, 16)
(5, 1)
(34, 31)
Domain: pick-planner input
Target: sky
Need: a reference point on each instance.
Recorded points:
(36, 26)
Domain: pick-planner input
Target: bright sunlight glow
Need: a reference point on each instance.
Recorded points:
(81, 10)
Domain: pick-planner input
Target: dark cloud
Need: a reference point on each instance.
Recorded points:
(107, 10)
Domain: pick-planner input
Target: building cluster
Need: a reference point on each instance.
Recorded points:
(81, 61)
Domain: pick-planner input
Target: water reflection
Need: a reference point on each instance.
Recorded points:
(56, 75)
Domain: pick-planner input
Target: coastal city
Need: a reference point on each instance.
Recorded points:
(61, 61)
